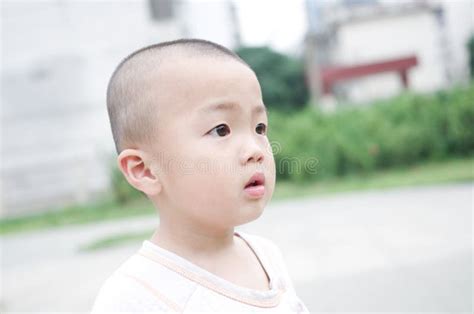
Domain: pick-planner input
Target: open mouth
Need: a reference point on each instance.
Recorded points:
(254, 183)
(255, 187)
(256, 180)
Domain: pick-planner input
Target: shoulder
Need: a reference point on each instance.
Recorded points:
(120, 293)
(136, 286)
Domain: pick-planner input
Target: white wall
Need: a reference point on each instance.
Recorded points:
(212, 20)
(377, 39)
(459, 27)
(57, 57)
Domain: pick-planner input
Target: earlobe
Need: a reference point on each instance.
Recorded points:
(135, 168)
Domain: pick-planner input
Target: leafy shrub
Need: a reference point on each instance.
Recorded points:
(470, 49)
(395, 132)
(281, 77)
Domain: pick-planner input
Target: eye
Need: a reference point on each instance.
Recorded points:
(261, 128)
(221, 130)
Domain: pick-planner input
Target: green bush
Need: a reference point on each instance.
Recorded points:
(470, 49)
(396, 132)
(281, 77)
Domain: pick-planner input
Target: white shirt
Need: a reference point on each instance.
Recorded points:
(157, 280)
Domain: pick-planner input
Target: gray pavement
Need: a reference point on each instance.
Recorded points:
(398, 250)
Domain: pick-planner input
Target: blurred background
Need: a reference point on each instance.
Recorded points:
(371, 108)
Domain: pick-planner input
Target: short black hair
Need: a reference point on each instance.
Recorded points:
(129, 109)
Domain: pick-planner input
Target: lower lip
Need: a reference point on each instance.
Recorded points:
(255, 191)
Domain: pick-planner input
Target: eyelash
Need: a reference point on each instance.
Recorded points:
(227, 128)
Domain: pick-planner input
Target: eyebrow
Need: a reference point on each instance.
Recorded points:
(228, 106)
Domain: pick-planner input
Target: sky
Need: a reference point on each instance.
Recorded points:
(280, 24)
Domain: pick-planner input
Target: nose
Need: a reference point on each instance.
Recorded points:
(252, 153)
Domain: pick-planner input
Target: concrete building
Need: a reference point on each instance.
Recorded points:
(57, 58)
(353, 36)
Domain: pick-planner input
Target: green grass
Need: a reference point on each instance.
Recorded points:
(116, 240)
(455, 170)
(100, 210)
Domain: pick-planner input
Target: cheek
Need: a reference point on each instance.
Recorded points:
(269, 164)
(208, 198)
(202, 183)
(210, 186)
(270, 175)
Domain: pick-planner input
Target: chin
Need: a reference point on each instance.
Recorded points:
(250, 214)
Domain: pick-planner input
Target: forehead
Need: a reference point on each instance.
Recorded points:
(232, 107)
(205, 85)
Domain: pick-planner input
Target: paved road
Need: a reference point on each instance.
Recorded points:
(398, 250)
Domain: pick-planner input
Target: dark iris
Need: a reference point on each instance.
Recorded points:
(261, 128)
(222, 130)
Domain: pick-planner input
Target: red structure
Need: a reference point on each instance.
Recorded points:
(332, 75)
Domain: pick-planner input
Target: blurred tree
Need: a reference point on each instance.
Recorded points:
(470, 47)
(281, 77)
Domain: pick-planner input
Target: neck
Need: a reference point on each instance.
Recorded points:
(190, 240)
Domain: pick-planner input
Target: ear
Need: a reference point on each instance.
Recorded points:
(137, 170)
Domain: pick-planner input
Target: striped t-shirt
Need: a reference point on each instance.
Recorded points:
(157, 280)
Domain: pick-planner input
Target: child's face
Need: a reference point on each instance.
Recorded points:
(203, 170)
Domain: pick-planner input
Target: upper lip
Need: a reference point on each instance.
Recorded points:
(257, 179)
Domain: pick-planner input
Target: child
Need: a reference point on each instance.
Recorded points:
(189, 125)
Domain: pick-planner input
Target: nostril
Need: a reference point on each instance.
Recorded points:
(255, 156)
(258, 159)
